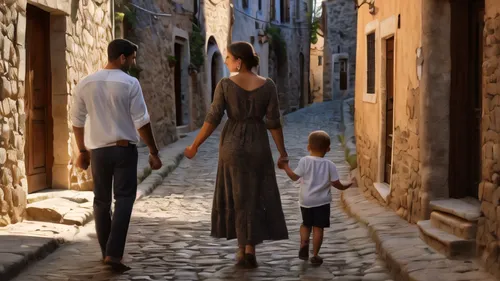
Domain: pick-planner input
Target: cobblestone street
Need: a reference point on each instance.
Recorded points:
(169, 234)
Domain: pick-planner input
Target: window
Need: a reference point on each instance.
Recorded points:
(320, 60)
(272, 9)
(285, 10)
(260, 5)
(245, 3)
(370, 58)
(297, 9)
(343, 74)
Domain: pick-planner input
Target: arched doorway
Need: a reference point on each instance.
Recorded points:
(215, 69)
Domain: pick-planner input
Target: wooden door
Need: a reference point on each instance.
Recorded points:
(38, 101)
(178, 90)
(466, 46)
(389, 113)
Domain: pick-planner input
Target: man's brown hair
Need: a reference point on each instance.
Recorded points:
(319, 141)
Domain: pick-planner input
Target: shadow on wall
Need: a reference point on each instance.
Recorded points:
(74, 10)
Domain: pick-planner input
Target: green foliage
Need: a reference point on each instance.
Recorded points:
(353, 161)
(277, 43)
(315, 24)
(314, 30)
(125, 13)
(197, 46)
(171, 59)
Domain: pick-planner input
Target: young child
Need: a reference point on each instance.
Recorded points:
(317, 174)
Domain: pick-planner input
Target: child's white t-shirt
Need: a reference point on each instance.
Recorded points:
(316, 174)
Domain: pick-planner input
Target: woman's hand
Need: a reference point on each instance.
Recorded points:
(190, 151)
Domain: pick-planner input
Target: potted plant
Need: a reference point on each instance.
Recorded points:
(171, 61)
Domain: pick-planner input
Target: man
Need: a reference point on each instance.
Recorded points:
(116, 110)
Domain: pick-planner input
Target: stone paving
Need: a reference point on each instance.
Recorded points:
(169, 234)
(407, 255)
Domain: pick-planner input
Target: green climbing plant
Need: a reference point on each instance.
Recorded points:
(276, 42)
(197, 45)
(315, 24)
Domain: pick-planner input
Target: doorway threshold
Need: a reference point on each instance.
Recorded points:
(383, 189)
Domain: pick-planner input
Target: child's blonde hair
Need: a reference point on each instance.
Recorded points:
(319, 141)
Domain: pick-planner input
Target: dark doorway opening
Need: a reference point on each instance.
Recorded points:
(178, 84)
(466, 47)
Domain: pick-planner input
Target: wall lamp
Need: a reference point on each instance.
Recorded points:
(371, 5)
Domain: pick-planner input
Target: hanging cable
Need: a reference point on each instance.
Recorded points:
(268, 22)
(150, 12)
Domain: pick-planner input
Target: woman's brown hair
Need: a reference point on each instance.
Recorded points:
(245, 52)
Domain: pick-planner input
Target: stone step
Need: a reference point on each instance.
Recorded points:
(448, 244)
(60, 210)
(466, 208)
(454, 225)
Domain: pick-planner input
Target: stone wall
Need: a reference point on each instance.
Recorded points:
(316, 72)
(488, 236)
(79, 34)
(340, 19)
(246, 28)
(405, 195)
(155, 37)
(216, 18)
(300, 35)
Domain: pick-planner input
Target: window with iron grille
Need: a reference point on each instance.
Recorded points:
(245, 3)
(370, 58)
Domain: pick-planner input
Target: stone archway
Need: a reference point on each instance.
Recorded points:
(215, 69)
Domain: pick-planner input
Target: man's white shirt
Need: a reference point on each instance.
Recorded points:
(111, 107)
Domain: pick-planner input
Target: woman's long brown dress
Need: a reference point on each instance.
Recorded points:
(247, 203)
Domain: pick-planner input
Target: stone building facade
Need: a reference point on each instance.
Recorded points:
(427, 81)
(270, 26)
(162, 30)
(316, 73)
(47, 47)
(339, 24)
(216, 18)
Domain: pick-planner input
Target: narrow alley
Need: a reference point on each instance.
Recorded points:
(169, 233)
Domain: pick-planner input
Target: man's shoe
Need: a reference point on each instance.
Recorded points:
(116, 265)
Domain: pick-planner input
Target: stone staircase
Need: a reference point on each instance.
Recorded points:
(452, 227)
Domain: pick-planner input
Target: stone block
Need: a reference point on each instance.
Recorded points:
(6, 88)
(488, 210)
(454, 225)
(488, 191)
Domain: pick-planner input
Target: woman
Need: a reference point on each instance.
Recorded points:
(247, 203)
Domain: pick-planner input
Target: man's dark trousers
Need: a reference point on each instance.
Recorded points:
(114, 169)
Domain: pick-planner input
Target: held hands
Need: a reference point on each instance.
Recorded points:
(190, 151)
(283, 162)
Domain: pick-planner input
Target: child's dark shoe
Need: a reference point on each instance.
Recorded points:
(304, 253)
(316, 260)
(251, 261)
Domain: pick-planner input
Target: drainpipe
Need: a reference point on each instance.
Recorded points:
(434, 103)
